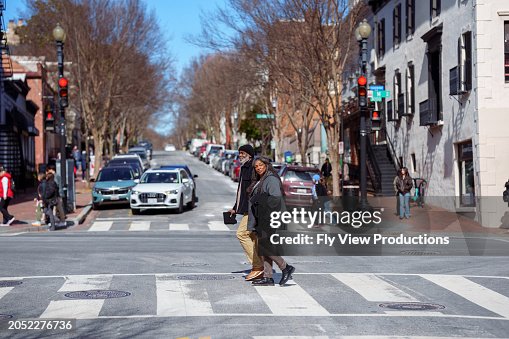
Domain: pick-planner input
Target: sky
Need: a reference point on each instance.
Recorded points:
(177, 18)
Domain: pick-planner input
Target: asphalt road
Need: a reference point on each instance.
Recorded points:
(183, 277)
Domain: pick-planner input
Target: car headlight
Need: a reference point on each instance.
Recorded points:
(97, 190)
(135, 192)
(176, 191)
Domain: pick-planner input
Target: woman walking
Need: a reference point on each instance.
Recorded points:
(266, 195)
(404, 186)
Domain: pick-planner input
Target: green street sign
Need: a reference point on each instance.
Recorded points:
(381, 94)
(264, 116)
(376, 99)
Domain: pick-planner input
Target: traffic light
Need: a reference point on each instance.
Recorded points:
(49, 119)
(362, 91)
(63, 92)
(376, 121)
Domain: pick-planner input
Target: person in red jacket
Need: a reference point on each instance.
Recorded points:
(6, 194)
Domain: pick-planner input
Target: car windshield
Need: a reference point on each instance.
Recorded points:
(141, 153)
(293, 175)
(115, 174)
(134, 166)
(160, 177)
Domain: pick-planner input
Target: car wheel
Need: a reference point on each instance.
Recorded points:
(135, 211)
(192, 203)
(95, 206)
(181, 205)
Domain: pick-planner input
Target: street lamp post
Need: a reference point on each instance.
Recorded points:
(362, 34)
(59, 36)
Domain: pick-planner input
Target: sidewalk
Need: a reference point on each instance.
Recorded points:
(23, 209)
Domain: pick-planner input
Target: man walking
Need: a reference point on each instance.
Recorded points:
(326, 172)
(248, 240)
(6, 194)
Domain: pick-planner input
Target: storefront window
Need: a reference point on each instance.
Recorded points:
(466, 171)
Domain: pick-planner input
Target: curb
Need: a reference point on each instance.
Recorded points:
(79, 219)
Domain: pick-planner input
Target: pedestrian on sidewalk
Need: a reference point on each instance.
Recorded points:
(404, 185)
(319, 194)
(396, 193)
(51, 199)
(83, 165)
(266, 196)
(248, 239)
(6, 194)
(60, 203)
(326, 172)
(39, 204)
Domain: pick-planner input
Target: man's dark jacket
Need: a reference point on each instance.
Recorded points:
(246, 175)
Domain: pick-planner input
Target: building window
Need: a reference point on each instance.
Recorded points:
(396, 25)
(414, 163)
(410, 89)
(465, 62)
(381, 37)
(506, 50)
(410, 17)
(466, 174)
(399, 96)
(435, 8)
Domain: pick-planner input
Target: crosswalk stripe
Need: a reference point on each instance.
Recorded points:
(290, 300)
(78, 309)
(179, 298)
(217, 226)
(478, 294)
(101, 226)
(179, 227)
(372, 288)
(140, 226)
(4, 291)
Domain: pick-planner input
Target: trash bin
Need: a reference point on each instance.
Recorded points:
(350, 197)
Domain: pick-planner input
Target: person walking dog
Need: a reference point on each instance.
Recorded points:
(247, 239)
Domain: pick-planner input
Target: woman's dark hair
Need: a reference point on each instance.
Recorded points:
(50, 176)
(270, 171)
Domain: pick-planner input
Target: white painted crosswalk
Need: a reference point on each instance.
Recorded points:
(157, 225)
(221, 294)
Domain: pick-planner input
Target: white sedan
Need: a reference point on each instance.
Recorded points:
(170, 148)
(163, 189)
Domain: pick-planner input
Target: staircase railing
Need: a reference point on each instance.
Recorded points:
(392, 152)
(374, 170)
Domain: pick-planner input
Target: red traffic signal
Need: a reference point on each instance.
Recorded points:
(362, 91)
(375, 115)
(49, 120)
(362, 81)
(376, 121)
(63, 91)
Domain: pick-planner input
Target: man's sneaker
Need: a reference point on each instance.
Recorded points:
(11, 220)
(36, 223)
(2, 225)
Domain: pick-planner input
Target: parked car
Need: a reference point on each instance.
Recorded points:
(297, 184)
(235, 170)
(163, 189)
(170, 148)
(202, 151)
(141, 152)
(212, 150)
(134, 165)
(113, 185)
(127, 158)
(147, 145)
(195, 145)
(228, 162)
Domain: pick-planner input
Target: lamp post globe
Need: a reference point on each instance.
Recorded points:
(364, 29)
(59, 33)
(358, 35)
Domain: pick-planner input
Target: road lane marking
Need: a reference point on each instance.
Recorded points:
(290, 300)
(473, 292)
(4, 291)
(180, 298)
(218, 226)
(179, 227)
(140, 226)
(372, 288)
(78, 309)
(100, 226)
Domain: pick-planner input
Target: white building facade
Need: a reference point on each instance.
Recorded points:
(446, 64)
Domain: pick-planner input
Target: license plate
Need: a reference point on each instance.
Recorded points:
(114, 197)
(302, 190)
(152, 201)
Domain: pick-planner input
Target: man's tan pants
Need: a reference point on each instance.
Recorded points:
(249, 242)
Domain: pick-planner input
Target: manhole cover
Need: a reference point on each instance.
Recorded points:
(189, 264)
(5, 316)
(97, 294)
(412, 306)
(419, 253)
(205, 277)
(10, 283)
